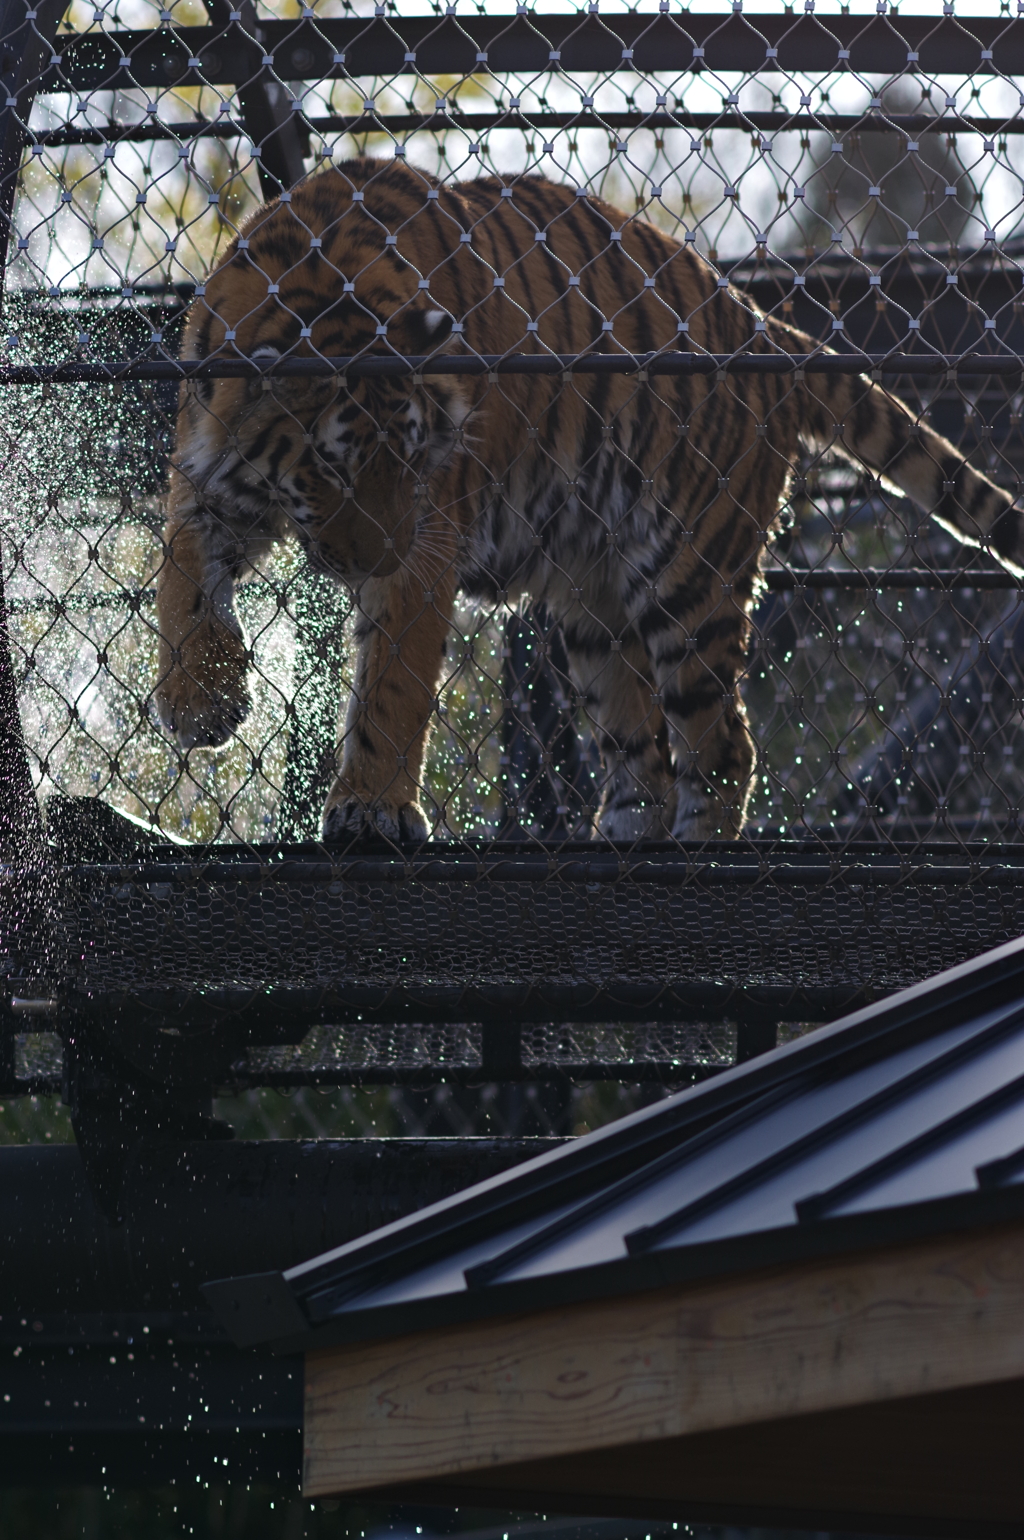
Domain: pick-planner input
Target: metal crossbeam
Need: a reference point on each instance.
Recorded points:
(529, 43)
(912, 365)
(912, 125)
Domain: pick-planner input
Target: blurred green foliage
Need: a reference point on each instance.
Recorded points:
(34, 1120)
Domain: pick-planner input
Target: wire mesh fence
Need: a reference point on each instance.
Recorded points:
(510, 518)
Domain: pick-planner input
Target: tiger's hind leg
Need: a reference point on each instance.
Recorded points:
(695, 625)
(698, 662)
(711, 744)
(611, 674)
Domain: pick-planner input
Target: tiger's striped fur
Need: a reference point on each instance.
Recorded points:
(638, 512)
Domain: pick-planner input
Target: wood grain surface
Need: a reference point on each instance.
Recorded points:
(676, 1361)
(948, 1462)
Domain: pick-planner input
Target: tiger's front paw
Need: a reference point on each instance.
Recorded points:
(701, 814)
(624, 821)
(352, 818)
(202, 697)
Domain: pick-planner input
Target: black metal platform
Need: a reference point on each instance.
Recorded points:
(260, 937)
(188, 962)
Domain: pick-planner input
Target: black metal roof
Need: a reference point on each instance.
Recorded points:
(904, 1119)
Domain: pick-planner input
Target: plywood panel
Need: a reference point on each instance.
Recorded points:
(668, 1363)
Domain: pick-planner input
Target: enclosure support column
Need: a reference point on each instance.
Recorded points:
(281, 142)
(26, 51)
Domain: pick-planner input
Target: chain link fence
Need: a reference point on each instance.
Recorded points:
(510, 552)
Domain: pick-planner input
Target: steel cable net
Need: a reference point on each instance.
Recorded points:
(510, 517)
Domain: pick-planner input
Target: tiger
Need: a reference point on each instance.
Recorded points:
(637, 510)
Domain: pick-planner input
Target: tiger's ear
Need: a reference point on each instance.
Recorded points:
(427, 329)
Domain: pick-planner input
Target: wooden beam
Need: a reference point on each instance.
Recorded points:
(929, 1465)
(608, 1374)
(937, 1465)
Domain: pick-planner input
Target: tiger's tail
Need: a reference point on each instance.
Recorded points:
(867, 425)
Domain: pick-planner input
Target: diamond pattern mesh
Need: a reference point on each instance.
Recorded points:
(685, 684)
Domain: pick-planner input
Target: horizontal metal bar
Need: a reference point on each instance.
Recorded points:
(760, 274)
(973, 365)
(788, 579)
(637, 1072)
(656, 1000)
(149, 132)
(209, 866)
(835, 124)
(342, 48)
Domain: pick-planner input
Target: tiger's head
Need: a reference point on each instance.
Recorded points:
(344, 467)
